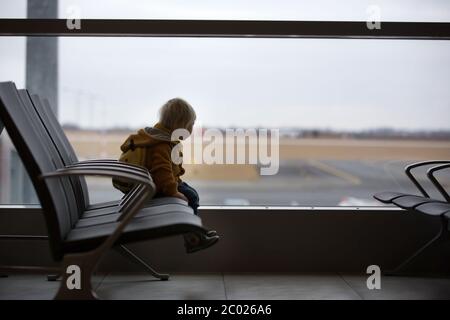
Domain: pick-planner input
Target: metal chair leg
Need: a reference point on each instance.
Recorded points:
(133, 257)
(438, 238)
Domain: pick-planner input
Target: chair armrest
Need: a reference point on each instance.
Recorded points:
(411, 177)
(107, 170)
(111, 161)
(115, 164)
(144, 182)
(439, 187)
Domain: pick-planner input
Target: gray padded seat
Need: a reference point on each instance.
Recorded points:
(112, 217)
(148, 227)
(410, 202)
(73, 237)
(155, 202)
(433, 208)
(387, 197)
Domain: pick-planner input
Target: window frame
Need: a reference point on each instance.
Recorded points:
(232, 29)
(226, 28)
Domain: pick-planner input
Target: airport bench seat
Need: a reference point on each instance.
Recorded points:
(74, 238)
(390, 197)
(44, 117)
(145, 227)
(422, 204)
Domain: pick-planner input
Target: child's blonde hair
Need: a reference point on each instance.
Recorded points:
(176, 114)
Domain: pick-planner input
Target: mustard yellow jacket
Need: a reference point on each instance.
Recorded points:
(151, 148)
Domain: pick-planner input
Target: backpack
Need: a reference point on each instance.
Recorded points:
(135, 155)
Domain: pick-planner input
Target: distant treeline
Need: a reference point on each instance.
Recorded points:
(381, 133)
(369, 134)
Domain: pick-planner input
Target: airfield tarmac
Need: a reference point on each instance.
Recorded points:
(312, 172)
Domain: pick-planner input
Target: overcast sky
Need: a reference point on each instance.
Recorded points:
(341, 84)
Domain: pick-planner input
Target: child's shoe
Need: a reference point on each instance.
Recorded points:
(211, 233)
(195, 242)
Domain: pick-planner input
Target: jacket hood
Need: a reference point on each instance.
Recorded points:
(147, 137)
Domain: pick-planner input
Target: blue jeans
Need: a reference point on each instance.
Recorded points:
(191, 194)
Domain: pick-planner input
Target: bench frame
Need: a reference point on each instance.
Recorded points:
(442, 235)
(32, 142)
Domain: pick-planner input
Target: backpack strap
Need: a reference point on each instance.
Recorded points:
(131, 145)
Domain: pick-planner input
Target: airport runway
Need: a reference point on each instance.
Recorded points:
(303, 183)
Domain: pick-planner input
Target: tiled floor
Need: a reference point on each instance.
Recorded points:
(235, 287)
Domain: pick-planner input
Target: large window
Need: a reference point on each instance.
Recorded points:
(351, 113)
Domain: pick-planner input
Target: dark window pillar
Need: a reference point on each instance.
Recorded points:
(42, 79)
(42, 55)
